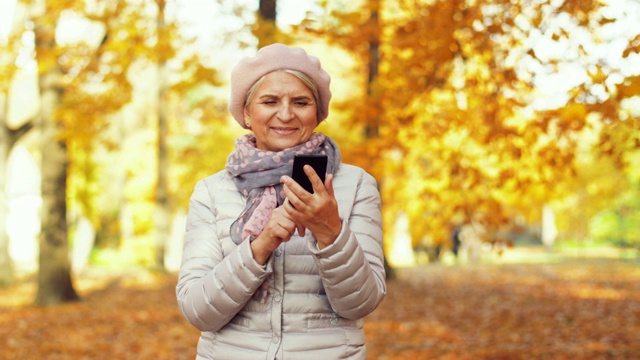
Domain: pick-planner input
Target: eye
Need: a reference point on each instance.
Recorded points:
(301, 103)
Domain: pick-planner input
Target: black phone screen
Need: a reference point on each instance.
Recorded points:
(319, 164)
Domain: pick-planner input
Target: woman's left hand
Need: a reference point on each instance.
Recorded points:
(317, 212)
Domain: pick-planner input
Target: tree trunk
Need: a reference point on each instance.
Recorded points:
(163, 211)
(54, 276)
(267, 13)
(6, 267)
(373, 124)
(372, 127)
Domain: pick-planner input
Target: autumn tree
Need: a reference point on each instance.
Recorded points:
(54, 276)
(9, 136)
(598, 106)
(6, 267)
(64, 101)
(80, 83)
(193, 80)
(163, 213)
(459, 138)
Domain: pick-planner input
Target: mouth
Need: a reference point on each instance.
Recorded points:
(284, 130)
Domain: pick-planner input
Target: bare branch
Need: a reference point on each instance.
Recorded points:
(16, 134)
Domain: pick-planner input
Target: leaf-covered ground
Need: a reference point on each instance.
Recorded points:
(581, 309)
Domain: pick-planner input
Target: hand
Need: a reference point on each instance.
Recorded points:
(317, 212)
(278, 229)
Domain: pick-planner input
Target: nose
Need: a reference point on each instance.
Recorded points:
(284, 112)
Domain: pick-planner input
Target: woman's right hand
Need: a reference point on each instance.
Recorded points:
(278, 229)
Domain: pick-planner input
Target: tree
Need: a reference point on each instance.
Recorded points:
(163, 215)
(54, 275)
(6, 268)
(459, 137)
(371, 129)
(8, 138)
(79, 84)
(195, 76)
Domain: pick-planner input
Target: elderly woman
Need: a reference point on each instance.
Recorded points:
(270, 270)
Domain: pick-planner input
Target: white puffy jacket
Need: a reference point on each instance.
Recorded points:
(316, 298)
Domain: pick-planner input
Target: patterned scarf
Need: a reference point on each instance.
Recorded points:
(257, 173)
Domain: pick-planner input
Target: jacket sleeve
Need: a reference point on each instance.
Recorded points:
(352, 268)
(212, 288)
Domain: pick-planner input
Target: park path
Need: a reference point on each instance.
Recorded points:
(577, 309)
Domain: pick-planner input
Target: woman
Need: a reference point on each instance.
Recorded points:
(269, 270)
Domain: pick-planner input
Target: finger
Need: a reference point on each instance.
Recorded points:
(290, 196)
(294, 193)
(288, 207)
(316, 182)
(285, 231)
(290, 185)
(328, 184)
(301, 229)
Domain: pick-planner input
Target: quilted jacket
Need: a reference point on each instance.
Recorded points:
(316, 300)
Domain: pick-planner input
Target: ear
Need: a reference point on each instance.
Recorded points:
(247, 118)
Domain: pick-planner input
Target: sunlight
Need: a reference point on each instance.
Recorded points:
(23, 226)
(7, 8)
(74, 28)
(23, 221)
(592, 292)
(580, 49)
(401, 252)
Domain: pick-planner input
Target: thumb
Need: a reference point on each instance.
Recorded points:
(301, 230)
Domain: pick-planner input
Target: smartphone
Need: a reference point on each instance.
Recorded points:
(319, 164)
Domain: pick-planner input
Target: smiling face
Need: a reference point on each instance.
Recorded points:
(282, 112)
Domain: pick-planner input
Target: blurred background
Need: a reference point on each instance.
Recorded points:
(490, 125)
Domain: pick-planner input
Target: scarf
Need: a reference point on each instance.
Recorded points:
(257, 174)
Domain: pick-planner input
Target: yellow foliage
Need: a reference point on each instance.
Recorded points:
(630, 87)
(450, 135)
(453, 141)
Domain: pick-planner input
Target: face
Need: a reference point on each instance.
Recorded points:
(282, 112)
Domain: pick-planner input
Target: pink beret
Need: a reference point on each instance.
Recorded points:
(276, 57)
